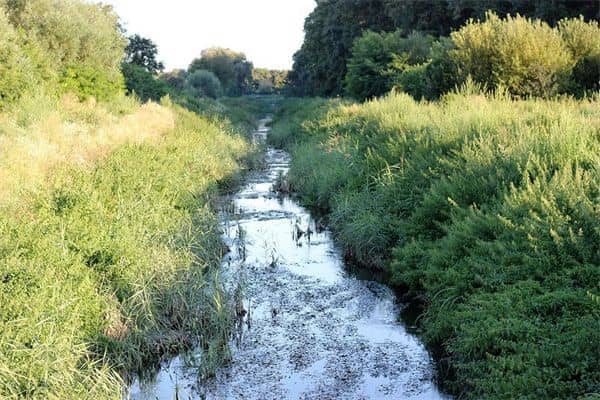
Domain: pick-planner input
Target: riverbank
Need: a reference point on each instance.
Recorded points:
(482, 209)
(305, 327)
(108, 242)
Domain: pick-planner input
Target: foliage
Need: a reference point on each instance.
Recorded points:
(379, 59)
(59, 42)
(526, 57)
(232, 69)
(583, 42)
(142, 83)
(485, 209)
(201, 83)
(175, 79)
(87, 81)
(320, 64)
(15, 67)
(330, 30)
(142, 51)
(107, 265)
(268, 81)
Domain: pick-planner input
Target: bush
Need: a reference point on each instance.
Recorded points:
(203, 83)
(142, 83)
(85, 81)
(527, 57)
(69, 45)
(583, 42)
(378, 59)
(16, 72)
(442, 72)
(413, 80)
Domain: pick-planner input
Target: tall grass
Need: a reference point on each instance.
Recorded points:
(108, 242)
(485, 209)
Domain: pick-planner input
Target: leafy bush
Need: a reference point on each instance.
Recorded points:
(378, 59)
(583, 41)
(413, 80)
(483, 208)
(203, 83)
(85, 81)
(142, 83)
(64, 45)
(527, 57)
(16, 74)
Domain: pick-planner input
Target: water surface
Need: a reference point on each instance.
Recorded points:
(312, 330)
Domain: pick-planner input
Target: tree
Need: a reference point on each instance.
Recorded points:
(330, 30)
(142, 83)
(266, 81)
(231, 68)
(142, 52)
(202, 83)
(63, 46)
(379, 59)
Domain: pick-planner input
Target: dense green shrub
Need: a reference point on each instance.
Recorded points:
(142, 83)
(203, 83)
(484, 208)
(527, 57)
(16, 73)
(87, 81)
(379, 59)
(583, 42)
(64, 45)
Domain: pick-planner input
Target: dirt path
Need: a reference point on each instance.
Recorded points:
(312, 331)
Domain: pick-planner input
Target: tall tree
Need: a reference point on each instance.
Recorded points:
(142, 51)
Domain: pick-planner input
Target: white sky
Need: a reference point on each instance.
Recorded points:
(268, 31)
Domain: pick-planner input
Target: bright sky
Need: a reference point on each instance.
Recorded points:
(268, 31)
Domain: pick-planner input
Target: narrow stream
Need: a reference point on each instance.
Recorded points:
(313, 331)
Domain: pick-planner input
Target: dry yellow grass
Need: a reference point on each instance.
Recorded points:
(73, 134)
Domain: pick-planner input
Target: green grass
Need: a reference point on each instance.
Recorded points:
(107, 268)
(486, 210)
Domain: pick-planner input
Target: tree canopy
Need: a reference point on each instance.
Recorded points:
(143, 51)
(330, 30)
(231, 67)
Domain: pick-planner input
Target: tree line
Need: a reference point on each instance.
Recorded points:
(217, 72)
(51, 47)
(363, 48)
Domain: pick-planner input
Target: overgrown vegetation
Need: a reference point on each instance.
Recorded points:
(333, 53)
(483, 208)
(108, 243)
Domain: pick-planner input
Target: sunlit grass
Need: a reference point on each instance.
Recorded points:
(107, 243)
(484, 208)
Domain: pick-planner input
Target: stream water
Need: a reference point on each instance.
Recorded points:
(312, 330)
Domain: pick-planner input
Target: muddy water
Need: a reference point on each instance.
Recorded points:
(311, 330)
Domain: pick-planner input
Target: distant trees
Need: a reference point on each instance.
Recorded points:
(320, 66)
(203, 83)
(232, 69)
(143, 51)
(267, 81)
